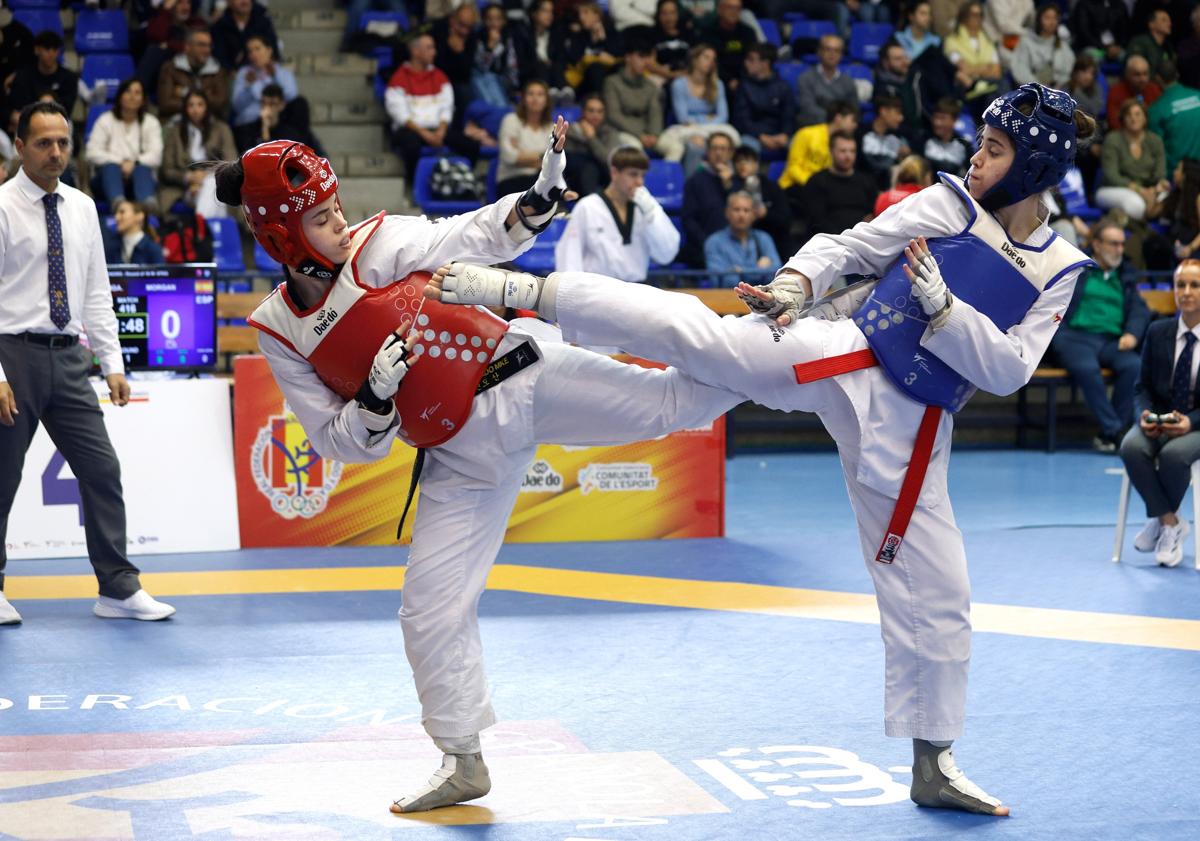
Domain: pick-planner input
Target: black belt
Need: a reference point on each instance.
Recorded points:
(50, 340)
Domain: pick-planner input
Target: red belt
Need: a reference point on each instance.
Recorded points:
(914, 476)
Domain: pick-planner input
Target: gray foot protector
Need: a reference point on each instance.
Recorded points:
(835, 306)
(938, 783)
(462, 777)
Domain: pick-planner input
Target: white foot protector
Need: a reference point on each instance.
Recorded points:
(462, 777)
(467, 283)
(939, 783)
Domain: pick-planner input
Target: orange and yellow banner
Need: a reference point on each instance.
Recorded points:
(288, 495)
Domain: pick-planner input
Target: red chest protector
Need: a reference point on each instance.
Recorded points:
(341, 335)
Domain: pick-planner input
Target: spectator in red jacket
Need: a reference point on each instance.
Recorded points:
(1135, 83)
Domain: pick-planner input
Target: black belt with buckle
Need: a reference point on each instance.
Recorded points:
(50, 340)
(500, 369)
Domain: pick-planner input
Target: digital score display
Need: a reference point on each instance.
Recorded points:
(166, 316)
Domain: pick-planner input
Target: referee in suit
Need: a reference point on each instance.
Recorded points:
(53, 286)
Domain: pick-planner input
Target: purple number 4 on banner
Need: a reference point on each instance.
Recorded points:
(56, 491)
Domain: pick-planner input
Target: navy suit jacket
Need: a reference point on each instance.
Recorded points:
(1153, 389)
(146, 252)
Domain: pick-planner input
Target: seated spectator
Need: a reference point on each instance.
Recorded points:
(772, 213)
(195, 136)
(633, 102)
(945, 150)
(523, 136)
(454, 40)
(809, 150)
(881, 144)
(912, 176)
(839, 197)
(1042, 56)
(1183, 208)
(1099, 28)
(1175, 117)
(17, 53)
(894, 77)
(125, 148)
(166, 35)
(133, 241)
(1158, 456)
(590, 141)
(763, 110)
(1089, 96)
(672, 36)
(194, 68)
(1135, 84)
(918, 36)
(420, 104)
(704, 194)
(1189, 53)
(1103, 328)
(496, 77)
(975, 57)
(273, 124)
(242, 18)
(620, 230)
(821, 85)
(1154, 44)
(593, 50)
(1004, 21)
(46, 76)
(252, 77)
(543, 45)
(731, 37)
(738, 248)
(700, 106)
(1134, 166)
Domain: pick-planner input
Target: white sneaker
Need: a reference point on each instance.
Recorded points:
(8, 613)
(141, 605)
(1147, 538)
(1169, 549)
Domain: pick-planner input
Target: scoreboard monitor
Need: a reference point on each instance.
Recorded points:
(166, 316)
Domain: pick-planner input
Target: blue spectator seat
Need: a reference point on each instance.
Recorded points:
(866, 39)
(486, 115)
(811, 30)
(665, 180)
(227, 244)
(93, 114)
(539, 259)
(964, 127)
(101, 32)
(790, 71)
(263, 261)
(423, 196)
(1071, 190)
(770, 30)
(109, 68)
(400, 18)
(39, 20)
(33, 4)
(775, 169)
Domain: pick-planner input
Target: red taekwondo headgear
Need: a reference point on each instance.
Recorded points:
(282, 180)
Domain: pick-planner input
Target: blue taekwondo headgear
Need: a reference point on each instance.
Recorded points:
(1044, 141)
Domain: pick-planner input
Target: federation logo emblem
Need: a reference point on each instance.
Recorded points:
(288, 471)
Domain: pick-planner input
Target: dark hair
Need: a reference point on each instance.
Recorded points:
(840, 108)
(138, 207)
(964, 12)
(39, 107)
(229, 176)
(121, 88)
(764, 51)
(48, 39)
(948, 105)
(715, 135)
(274, 90)
(1168, 72)
(205, 126)
(1037, 20)
(744, 152)
(629, 157)
(835, 136)
(885, 101)
(523, 111)
(590, 97)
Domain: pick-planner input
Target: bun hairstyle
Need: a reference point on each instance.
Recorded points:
(1085, 126)
(229, 176)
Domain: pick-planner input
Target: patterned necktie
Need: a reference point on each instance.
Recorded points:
(1181, 381)
(60, 311)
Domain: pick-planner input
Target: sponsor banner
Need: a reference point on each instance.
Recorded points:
(175, 445)
(289, 496)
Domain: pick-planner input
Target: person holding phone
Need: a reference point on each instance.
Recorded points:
(1159, 451)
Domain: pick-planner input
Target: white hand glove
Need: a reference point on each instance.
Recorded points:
(465, 283)
(645, 202)
(550, 182)
(389, 367)
(789, 298)
(927, 283)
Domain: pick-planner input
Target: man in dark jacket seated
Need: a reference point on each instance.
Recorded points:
(764, 108)
(1159, 451)
(1103, 328)
(704, 195)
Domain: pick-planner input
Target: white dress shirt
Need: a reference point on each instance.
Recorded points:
(24, 287)
(1180, 331)
(591, 242)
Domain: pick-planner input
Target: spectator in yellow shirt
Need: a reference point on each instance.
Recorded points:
(808, 153)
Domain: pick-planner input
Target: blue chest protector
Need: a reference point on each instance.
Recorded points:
(982, 267)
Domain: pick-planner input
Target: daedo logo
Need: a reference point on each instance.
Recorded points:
(325, 319)
(1012, 253)
(541, 478)
(288, 471)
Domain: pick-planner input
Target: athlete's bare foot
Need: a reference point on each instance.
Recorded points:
(938, 783)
